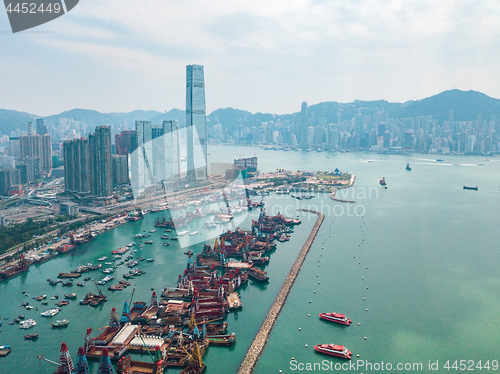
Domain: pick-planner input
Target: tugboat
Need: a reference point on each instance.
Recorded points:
(336, 317)
(408, 166)
(334, 350)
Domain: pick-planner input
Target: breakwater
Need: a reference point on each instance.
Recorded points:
(334, 192)
(260, 340)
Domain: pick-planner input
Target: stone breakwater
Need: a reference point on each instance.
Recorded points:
(260, 340)
(334, 192)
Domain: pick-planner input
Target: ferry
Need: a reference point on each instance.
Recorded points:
(334, 350)
(336, 317)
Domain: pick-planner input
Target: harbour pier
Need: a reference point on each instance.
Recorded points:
(257, 347)
(334, 192)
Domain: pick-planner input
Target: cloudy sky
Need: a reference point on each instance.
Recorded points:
(259, 55)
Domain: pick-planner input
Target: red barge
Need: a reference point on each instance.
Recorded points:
(334, 350)
(336, 317)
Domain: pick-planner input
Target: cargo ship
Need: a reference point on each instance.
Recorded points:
(258, 275)
(334, 350)
(13, 270)
(336, 317)
(65, 248)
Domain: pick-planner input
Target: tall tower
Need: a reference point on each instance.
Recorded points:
(303, 124)
(196, 125)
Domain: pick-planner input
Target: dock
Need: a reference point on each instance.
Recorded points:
(257, 347)
(234, 301)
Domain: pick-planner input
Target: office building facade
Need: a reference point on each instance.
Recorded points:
(196, 125)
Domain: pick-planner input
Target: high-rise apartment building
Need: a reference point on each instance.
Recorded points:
(196, 125)
(101, 183)
(120, 170)
(37, 146)
(87, 164)
(76, 165)
(303, 125)
(124, 142)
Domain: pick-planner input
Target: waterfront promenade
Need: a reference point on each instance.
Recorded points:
(334, 192)
(260, 340)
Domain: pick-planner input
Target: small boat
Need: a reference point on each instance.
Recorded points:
(81, 284)
(60, 323)
(174, 238)
(334, 350)
(148, 242)
(104, 258)
(182, 233)
(336, 317)
(55, 297)
(439, 160)
(62, 303)
(27, 324)
(382, 181)
(50, 313)
(165, 244)
(193, 233)
(86, 279)
(150, 260)
(70, 296)
(67, 283)
(408, 166)
(31, 336)
(4, 350)
(470, 188)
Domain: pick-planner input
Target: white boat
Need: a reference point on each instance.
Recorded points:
(26, 324)
(182, 233)
(152, 230)
(104, 258)
(193, 233)
(50, 312)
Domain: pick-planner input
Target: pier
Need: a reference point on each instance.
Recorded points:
(334, 192)
(257, 347)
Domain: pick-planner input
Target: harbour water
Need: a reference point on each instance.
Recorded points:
(425, 248)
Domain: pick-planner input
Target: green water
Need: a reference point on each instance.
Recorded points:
(430, 248)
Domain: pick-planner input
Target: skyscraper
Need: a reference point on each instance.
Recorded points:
(41, 129)
(37, 146)
(101, 183)
(303, 125)
(76, 165)
(196, 125)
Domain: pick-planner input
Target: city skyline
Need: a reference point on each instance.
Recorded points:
(261, 57)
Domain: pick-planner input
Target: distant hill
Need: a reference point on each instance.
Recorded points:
(466, 106)
(10, 120)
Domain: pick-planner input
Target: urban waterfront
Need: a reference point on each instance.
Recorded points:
(427, 250)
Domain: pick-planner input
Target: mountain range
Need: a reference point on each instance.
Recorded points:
(466, 106)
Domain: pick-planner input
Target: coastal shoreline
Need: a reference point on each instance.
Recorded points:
(259, 343)
(351, 183)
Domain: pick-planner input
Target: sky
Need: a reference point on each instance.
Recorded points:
(258, 55)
